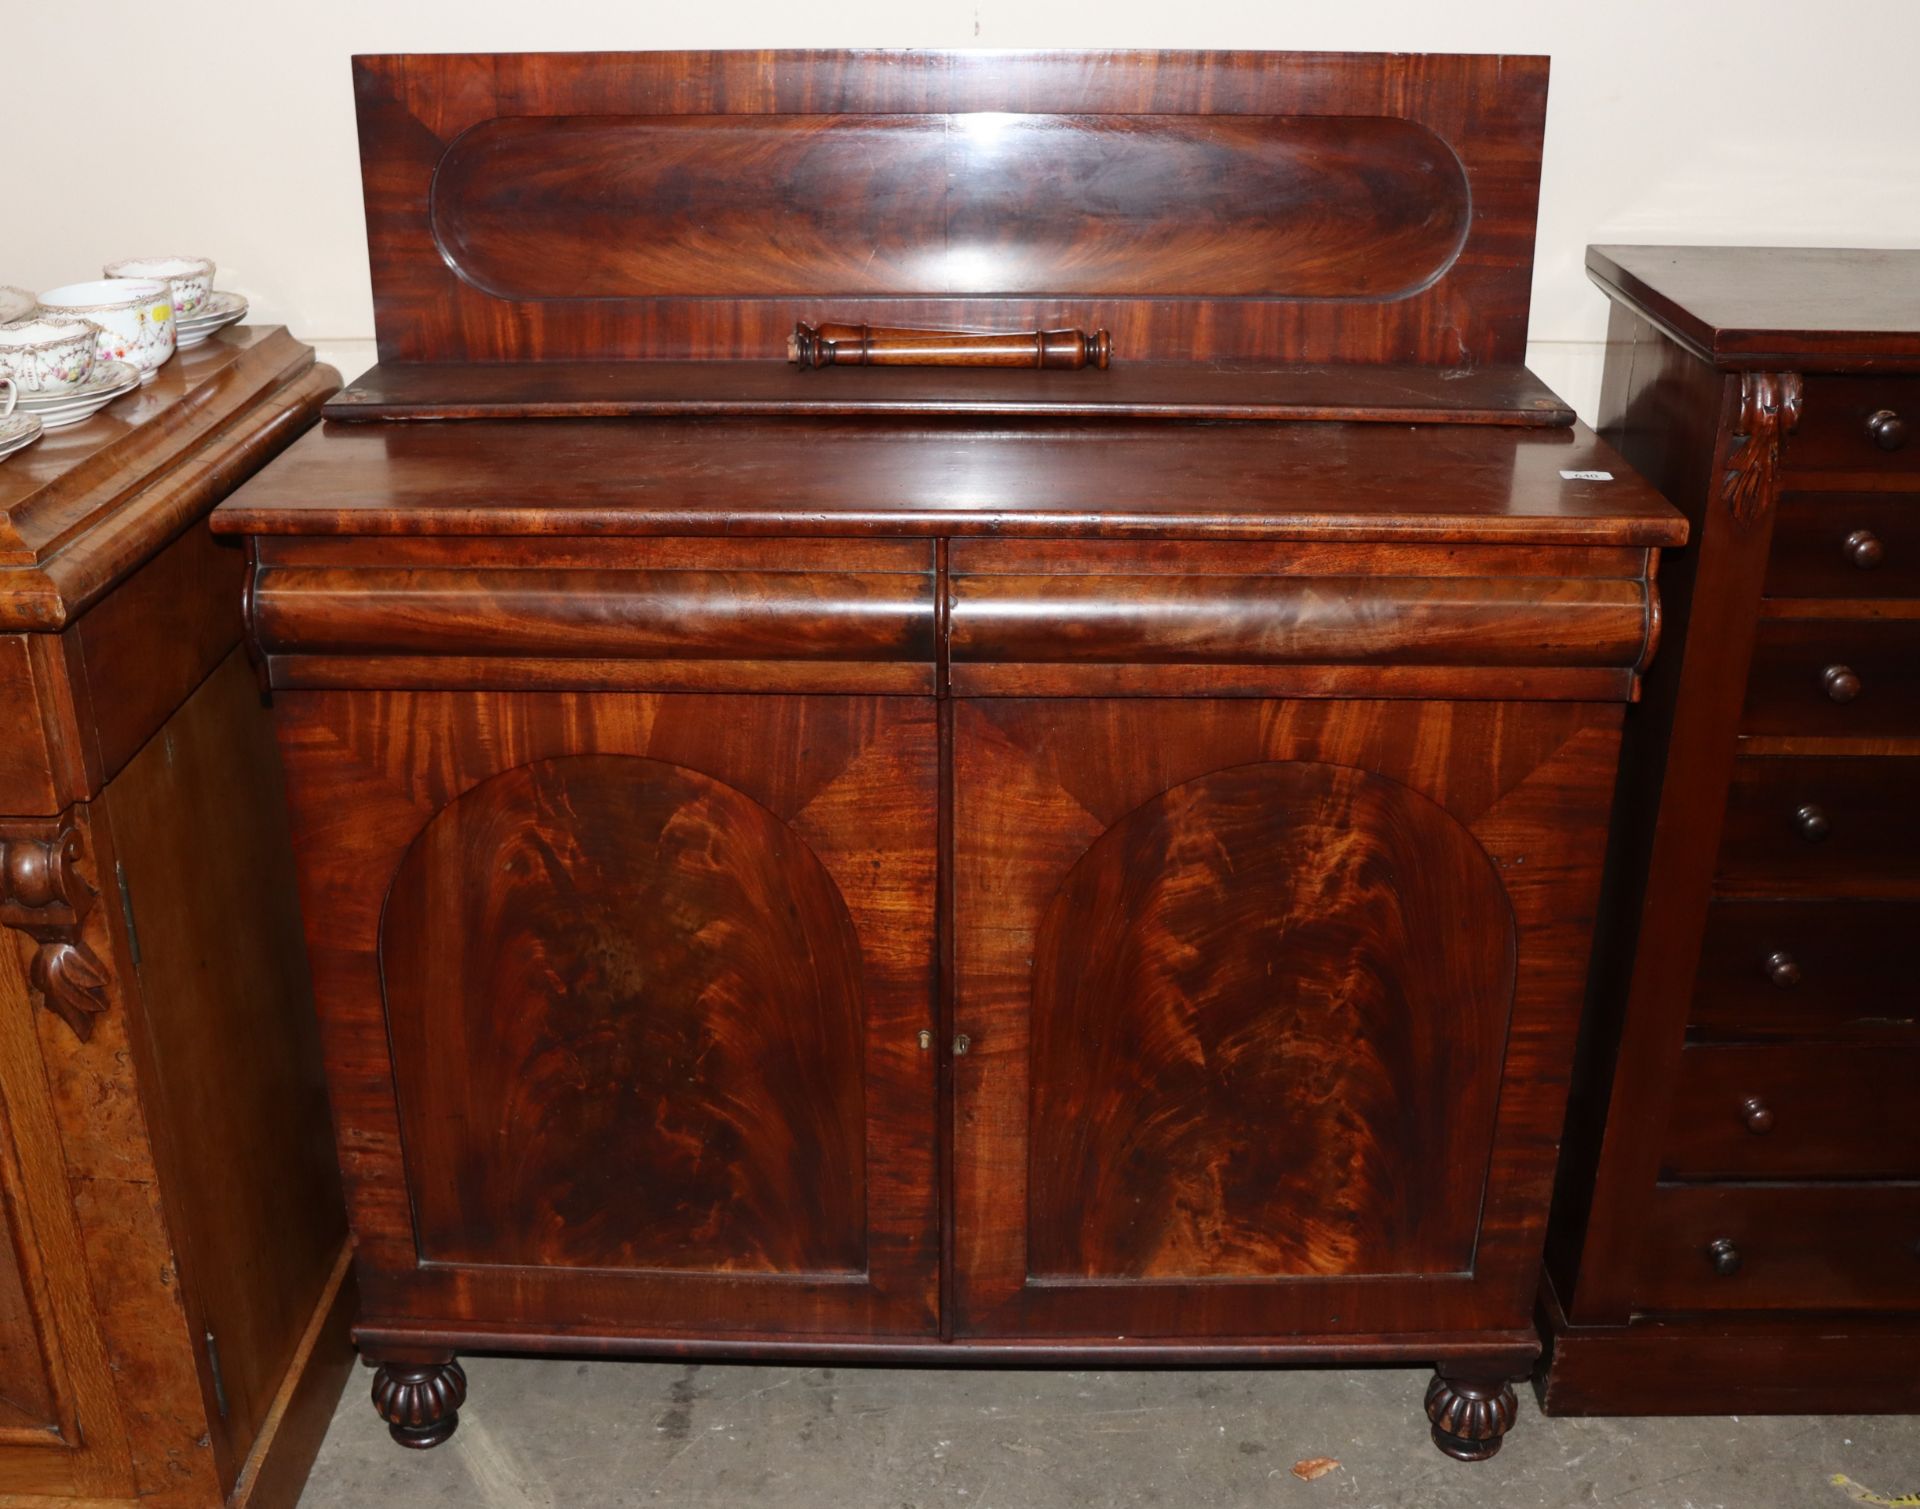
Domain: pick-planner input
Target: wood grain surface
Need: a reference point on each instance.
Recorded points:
(697, 940)
(1286, 206)
(1259, 999)
(768, 478)
(885, 206)
(1078, 799)
(626, 1017)
(1146, 386)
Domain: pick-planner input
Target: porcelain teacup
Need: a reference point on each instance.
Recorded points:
(135, 319)
(48, 353)
(190, 278)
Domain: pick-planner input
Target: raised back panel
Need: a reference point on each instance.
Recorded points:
(1296, 207)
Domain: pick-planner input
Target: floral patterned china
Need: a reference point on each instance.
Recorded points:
(58, 410)
(48, 353)
(190, 278)
(135, 318)
(220, 310)
(16, 304)
(17, 431)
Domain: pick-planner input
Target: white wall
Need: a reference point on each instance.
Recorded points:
(1760, 121)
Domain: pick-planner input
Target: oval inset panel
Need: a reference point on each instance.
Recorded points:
(1270, 1011)
(628, 207)
(625, 1011)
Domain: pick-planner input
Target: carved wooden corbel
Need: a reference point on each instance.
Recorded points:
(1769, 412)
(44, 895)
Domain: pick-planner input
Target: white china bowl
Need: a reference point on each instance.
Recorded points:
(135, 318)
(48, 353)
(190, 278)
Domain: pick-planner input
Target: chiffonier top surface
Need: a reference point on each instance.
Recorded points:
(1808, 308)
(836, 477)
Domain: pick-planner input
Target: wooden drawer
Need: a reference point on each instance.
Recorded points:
(1789, 1247)
(1845, 545)
(1809, 968)
(1794, 1111)
(1844, 676)
(1821, 827)
(1858, 424)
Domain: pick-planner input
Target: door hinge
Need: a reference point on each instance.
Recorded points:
(219, 1381)
(126, 912)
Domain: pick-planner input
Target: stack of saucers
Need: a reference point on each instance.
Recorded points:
(61, 407)
(215, 313)
(17, 432)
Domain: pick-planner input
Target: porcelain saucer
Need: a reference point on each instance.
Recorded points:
(220, 310)
(71, 405)
(17, 432)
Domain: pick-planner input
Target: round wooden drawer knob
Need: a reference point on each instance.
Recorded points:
(1887, 429)
(1864, 550)
(1757, 1114)
(1783, 969)
(1724, 1256)
(1812, 823)
(1841, 684)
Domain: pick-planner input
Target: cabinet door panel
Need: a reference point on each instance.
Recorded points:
(1260, 1000)
(625, 1010)
(28, 1406)
(622, 998)
(1277, 996)
(62, 1430)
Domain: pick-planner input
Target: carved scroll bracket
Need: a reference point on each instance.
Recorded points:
(1769, 412)
(44, 895)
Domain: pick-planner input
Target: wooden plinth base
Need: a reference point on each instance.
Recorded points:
(1728, 1365)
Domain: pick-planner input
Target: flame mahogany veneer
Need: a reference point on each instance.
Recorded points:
(956, 865)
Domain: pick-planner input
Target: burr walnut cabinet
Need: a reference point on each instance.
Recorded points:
(949, 863)
(174, 1292)
(1738, 1223)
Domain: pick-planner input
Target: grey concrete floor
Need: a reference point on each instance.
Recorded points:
(547, 1434)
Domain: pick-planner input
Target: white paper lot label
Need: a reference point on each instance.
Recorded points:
(1586, 476)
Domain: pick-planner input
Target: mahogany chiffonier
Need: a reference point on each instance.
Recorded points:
(1086, 861)
(1737, 1227)
(173, 1249)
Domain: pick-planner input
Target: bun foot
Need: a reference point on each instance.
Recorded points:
(420, 1401)
(1471, 1416)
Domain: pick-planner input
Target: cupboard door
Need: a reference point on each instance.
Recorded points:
(62, 1431)
(1267, 1005)
(30, 1412)
(622, 1000)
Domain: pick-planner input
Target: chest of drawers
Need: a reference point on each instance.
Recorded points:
(1737, 1226)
